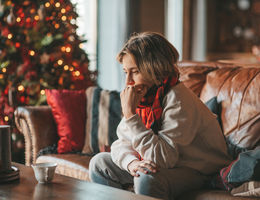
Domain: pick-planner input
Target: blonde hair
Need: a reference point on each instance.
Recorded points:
(154, 56)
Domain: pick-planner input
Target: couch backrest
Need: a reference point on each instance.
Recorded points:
(237, 88)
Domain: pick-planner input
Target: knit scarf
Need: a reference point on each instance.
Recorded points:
(150, 107)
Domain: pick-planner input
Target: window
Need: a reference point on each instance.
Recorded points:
(87, 27)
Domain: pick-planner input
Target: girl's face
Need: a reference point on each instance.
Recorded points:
(133, 75)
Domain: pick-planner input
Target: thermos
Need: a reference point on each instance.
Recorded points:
(5, 149)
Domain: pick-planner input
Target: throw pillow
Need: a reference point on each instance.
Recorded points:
(103, 116)
(251, 188)
(215, 107)
(245, 168)
(69, 112)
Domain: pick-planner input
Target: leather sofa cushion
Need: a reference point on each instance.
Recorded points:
(194, 78)
(239, 102)
(73, 165)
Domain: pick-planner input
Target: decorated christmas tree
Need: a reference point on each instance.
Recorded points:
(39, 49)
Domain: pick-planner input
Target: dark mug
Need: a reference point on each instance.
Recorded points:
(5, 148)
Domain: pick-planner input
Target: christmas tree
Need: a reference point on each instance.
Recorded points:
(39, 49)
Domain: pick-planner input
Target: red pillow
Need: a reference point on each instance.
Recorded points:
(69, 112)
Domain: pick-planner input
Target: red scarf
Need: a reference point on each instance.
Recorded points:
(150, 107)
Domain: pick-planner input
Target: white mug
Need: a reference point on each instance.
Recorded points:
(44, 172)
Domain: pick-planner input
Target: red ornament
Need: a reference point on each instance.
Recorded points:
(17, 44)
(22, 99)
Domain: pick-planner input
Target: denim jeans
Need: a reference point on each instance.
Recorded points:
(165, 184)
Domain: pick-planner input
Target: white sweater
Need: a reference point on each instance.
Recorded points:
(190, 136)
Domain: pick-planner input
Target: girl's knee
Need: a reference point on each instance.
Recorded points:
(145, 183)
(99, 161)
(152, 185)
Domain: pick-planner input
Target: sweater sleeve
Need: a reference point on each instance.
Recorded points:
(122, 152)
(179, 126)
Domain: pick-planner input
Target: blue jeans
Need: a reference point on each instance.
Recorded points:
(165, 184)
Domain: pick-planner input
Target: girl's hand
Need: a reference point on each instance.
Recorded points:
(143, 166)
(130, 99)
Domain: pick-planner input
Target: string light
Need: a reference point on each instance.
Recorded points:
(1, 76)
(57, 26)
(42, 92)
(63, 48)
(36, 17)
(31, 53)
(68, 49)
(18, 19)
(81, 45)
(74, 63)
(66, 67)
(28, 19)
(63, 10)
(17, 44)
(6, 118)
(9, 3)
(77, 73)
(63, 18)
(71, 69)
(9, 36)
(4, 70)
(57, 4)
(20, 88)
(47, 4)
(32, 11)
(60, 62)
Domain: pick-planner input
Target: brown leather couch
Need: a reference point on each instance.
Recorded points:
(236, 86)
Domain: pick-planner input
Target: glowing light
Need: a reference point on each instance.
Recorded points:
(4, 70)
(77, 73)
(57, 26)
(42, 92)
(6, 118)
(57, 4)
(66, 67)
(18, 19)
(63, 10)
(63, 48)
(28, 19)
(20, 88)
(81, 45)
(1, 76)
(9, 3)
(17, 44)
(47, 4)
(9, 36)
(60, 62)
(32, 11)
(63, 18)
(36, 17)
(68, 49)
(71, 69)
(49, 34)
(31, 53)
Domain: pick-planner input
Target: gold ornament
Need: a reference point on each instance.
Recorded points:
(41, 12)
(44, 58)
(11, 18)
(1, 9)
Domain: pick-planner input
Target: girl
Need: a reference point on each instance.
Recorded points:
(168, 140)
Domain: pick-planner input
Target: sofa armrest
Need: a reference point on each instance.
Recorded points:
(37, 125)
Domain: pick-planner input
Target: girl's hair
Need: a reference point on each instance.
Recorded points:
(156, 58)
